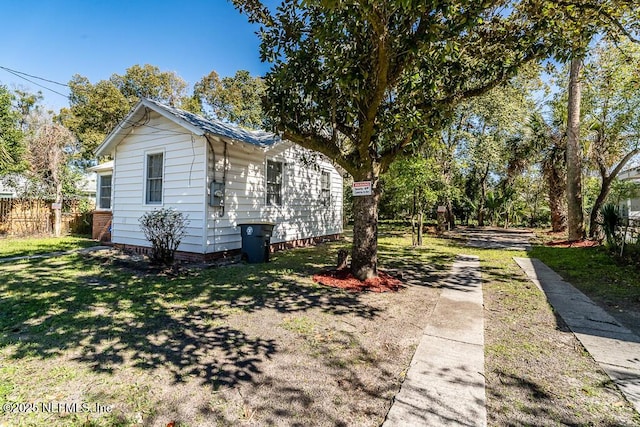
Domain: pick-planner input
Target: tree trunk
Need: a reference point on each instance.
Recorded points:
(558, 210)
(414, 242)
(575, 219)
(483, 197)
(57, 213)
(420, 220)
(451, 218)
(364, 254)
(594, 227)
(553, 170)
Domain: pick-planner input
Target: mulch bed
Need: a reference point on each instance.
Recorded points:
(343, 279)
(573, 244)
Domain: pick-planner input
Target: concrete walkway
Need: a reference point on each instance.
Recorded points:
(513, 239)
(614, 347)
(445, 382)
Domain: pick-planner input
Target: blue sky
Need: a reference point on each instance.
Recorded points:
(57, 39)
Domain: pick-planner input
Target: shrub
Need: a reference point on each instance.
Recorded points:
(164, 228)
(611, 222)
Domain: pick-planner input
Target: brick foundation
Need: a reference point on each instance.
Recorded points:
(216, 256)
(102, 226)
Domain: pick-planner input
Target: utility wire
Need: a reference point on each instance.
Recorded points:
(35, 77)
(19, 75)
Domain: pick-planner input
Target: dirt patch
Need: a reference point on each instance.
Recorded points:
(343, 279)
(573, 243)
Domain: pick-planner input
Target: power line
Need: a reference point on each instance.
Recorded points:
(35, 77)
(19, 74)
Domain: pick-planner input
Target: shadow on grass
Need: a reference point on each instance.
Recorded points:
(108, 317)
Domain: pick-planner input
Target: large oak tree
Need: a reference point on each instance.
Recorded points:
(358, 80)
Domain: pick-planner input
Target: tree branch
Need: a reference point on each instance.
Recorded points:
(600, 11)
(387, 157)
(323, 145)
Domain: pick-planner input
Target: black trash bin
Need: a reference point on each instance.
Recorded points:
(256, 238)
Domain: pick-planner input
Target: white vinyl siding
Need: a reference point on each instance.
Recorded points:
(302, 213)
(186, 173)
(182, 187)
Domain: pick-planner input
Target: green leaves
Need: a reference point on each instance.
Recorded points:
(235, 99)
(11, 137)
(95, 109)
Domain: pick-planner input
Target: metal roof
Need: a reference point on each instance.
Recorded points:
(217, 127)
(192, 122)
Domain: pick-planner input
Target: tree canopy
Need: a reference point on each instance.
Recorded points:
(95, 109)
(361, 80)
(236, 99)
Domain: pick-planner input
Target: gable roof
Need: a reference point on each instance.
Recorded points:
(192, 122)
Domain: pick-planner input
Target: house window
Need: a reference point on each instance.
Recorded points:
(154, 179)
(274, 183)
(104, 201)
(325, 188)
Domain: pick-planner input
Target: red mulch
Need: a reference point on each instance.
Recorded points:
(573, 244)
(343, 279)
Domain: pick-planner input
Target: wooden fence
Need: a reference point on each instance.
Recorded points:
(29, 217)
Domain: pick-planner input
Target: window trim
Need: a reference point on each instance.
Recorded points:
(99, 192)
(325, 199)
(146, 194)
(280, 194)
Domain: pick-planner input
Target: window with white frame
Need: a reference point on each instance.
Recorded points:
(154, 179)
(325, 188)
(104, 192)
(274, 183)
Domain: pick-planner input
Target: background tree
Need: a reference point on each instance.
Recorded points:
(95, 109)
(492, 144)
(49, 148)
(148, 81)
(236, 99)
(575, 219)
(612, 95)
(11, 135)
(552, 141)
(412, 185)
(360, 80)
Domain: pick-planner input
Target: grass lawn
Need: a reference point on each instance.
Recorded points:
(616, 287)
(252, 344)
(537, 372)
(265, 345)
(15, 247)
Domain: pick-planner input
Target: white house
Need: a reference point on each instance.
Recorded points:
(631, 207)
(217, 174)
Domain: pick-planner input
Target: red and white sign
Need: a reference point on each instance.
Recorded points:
(56, 205)
(361, 188)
